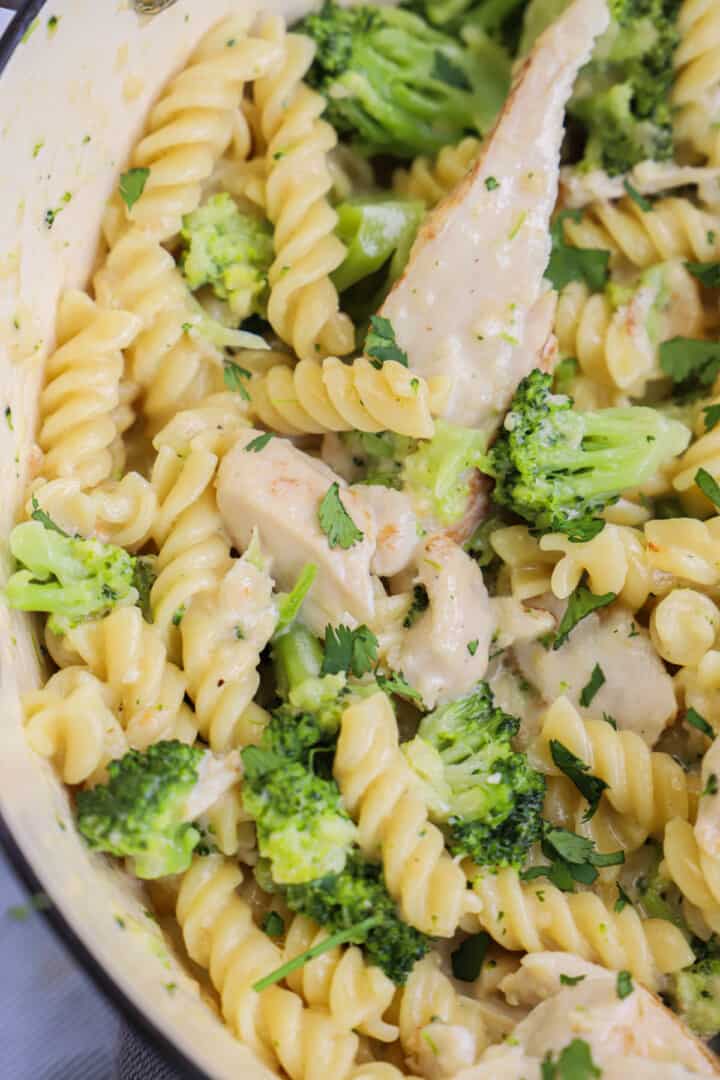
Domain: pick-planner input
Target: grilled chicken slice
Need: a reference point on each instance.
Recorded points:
(464, 305)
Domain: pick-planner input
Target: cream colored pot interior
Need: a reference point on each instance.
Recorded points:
(72, 101)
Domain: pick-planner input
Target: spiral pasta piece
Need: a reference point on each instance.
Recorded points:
(614, 560)
(565, 807)
(78, 420)
(538, 916)
(380, 792)
(685, 550)
(315, 398)
(71, 722)
(173, 367)
(355, 993)
(431, 179)
(433, 1016)
(220, 935)
(684, 626)
(303, 307)
(697, 79)
(128, 654)
(527, 568)
(190, 128)
(675, 228)
(698, 687)
(116, 512)
(231, 828)
(648, 787)
(703, 453)
(695, 872)
(224, 630)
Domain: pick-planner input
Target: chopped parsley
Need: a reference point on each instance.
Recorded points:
(380, 343)
(570, 980)
(233, 376)
(256, 445)
(711, 788)
(472, 646)
(467, 960)
(573, 859)
(578, 772)
(693, 717)
(711, 416)
(707, 273)
(396, 683)
(491, 183)
(335, 522)
(132, 185)
(624, 984)
(580, 604)
(568, 263)
(596, 680)
(351, 651)
(574, 1062)
(420, 603)
(691, 364)
(273, 924)
(622, 899)
(639, 200)
(708, 485)
(38, 514)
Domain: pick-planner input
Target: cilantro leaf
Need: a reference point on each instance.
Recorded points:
(596, 680)
(590, 787)
(449, 73)
(573, 1063)
(256, 445)
(570, 980)
(639, 200)
(420, 603)
(711, 787)
(622, 899)
(708, 485)
(694, 718)
(397, 684)
(349, 650)
(569, 263)
(707, 273)
(380, 343)
(568, 845)
(580, 603)
(335, 522)
(273, 924)
(144, 574)
(233, 375)
(38, 514)
(291, 602)
(691, 364)
(132, 185)
(467, 960)
(712, 416)
(624, 984)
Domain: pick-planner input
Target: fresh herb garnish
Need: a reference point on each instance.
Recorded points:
(355, 934)
(573, 1063)
(694, 718)
(596, 680)
(570, 980)
(622, 899)
(711, 416)
(351, 651)
(396, 683)
(691, 364)
(580, 604)
(711, 787)
(38, 514)
(467, 960)
(708, 485)
(420, 603)
(572, 858)
(233, 376)
(335, 522)
(258, 444)
(491, 183)
(707, 273)
(578, 772)
(132, 185)
(569, 263)
(273, 924)
(290, 603)
(144, 574)
(380, 343)
(624, 984)
(639, 200)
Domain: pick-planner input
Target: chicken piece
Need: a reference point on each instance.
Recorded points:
(476, 269)
(278, 489)
(638, 692)
(445, 652)
(633, 1035)
(396, 524)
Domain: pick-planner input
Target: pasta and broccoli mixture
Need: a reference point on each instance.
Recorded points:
(376, 524)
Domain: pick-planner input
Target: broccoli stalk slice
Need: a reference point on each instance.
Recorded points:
(354, 934)
(558, 468)
(695, 994)
(437, 476)
(67, 577)
(398, 85)
(297, 659)
(376, 231)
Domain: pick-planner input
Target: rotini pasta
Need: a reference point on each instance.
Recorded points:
(614, 561)
(684, 548)
(116, 512)
(355, 993)
(647, 787)
(430, 180)
(71, 722)
(703, 453)
(79, 424)
(674, 229)
(224, 630)
(527, 567)
(379, 790)
(684, 626)
(220, 935)
(303, 308)
(538, 916)
(697, 80)
(609, 830)
(190, 128)
(695, 873)
(315, 398)
(699, 687)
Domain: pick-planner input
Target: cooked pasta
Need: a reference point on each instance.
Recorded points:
(697, 80)
(430, 180)
(220, 936)
(528, 567)
(117, 511)
(315, 398)
(609, 830)
(537, 916)
(614, 561)
(699, 687)
(303, 308)
(378, 788)
(695, 873)
(356, 994)
(684, 548)
(79, 426)
(646, 786)
(71, 722)
(684, 625)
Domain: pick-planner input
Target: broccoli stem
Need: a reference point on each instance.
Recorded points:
(297, 656)
(355, 934)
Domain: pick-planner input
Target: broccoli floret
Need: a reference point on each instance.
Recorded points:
(558, 468)
(379, 457)
(398, 85)
(437, 475)
(302, 826)
(695, 991)
(141, 811)
(66, 576)
(297, 660)
(485, 792)
(378, 233)
(622, 97)
(500, 19)
(340, 901)
(229, 251)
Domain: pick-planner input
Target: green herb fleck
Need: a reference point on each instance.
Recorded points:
(335, 522)
(132, 185)
(596, 680)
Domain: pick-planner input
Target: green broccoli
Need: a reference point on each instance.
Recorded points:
(141, 812)
(500, 19)
(399, 86)
(302, 826)
(695, 992)
(437, 475)
(340, 901)
(378, 233)
(379, 457)
(655, 893)
(66, 576)
(622, 97)
(558, 469)
(485, 792)
(229, 251)
(297, 660)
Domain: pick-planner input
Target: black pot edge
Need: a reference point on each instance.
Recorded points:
(9, 42)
